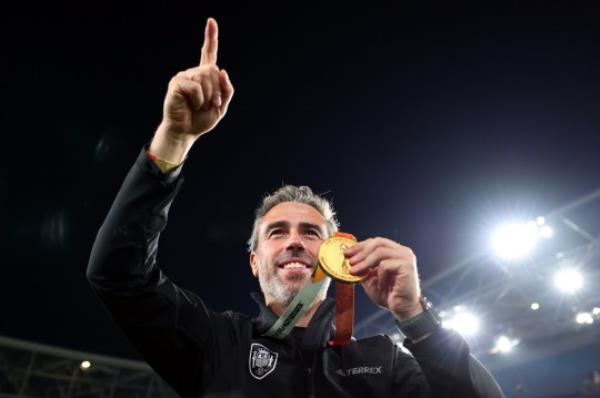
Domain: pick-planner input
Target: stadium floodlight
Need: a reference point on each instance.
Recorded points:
(514, 241)
(85, 365)
(568, 280)
(546, 232)
(535, 306)
(584, 318)
(463, 322)
(504, 345)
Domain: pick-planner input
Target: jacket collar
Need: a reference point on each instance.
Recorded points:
(319, 330)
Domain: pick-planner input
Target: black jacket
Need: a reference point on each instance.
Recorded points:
(202, 353)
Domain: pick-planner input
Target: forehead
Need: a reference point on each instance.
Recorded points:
(293, 213)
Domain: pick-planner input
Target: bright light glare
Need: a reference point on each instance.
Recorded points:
(396, 338)
(596, 311)
(464, 323)
(85, 365)
(568, 281)
(546, 232)
(535, 306)
(584, 318)
(514, 241)
(504, 344)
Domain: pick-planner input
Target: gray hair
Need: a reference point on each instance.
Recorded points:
(292, 193)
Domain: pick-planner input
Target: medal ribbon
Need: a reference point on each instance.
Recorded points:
(344, 307)
(344, 313)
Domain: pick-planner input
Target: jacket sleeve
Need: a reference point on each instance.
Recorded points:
(450, 369)
(170, 326)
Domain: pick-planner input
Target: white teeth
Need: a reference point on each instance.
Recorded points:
(294, 265)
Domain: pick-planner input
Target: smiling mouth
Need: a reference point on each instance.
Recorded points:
(295, 265)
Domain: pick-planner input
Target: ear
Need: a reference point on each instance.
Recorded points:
(254, 263)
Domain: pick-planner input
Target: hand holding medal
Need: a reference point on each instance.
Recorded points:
(386, 269)
(389, 272)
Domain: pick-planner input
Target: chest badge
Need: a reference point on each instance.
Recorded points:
(262, 361)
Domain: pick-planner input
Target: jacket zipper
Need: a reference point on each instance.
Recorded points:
(311, 388)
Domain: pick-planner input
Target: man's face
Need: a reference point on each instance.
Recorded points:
(288, 241)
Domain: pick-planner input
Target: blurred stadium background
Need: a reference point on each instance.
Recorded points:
(527, 304)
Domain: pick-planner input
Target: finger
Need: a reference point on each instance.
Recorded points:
(362, 249)
(190, 90)
(208, 77)
(215, 82)
(226, 90)
(369, 279)
(207, 91)
(374, 259)
(350, 251)
(211, 43)
(387, 272)
(358, 247)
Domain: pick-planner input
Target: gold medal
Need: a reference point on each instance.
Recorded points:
(332, 259)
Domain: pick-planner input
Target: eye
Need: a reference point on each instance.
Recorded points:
(313, 232)
(276, 232)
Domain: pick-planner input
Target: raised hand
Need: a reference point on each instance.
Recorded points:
(196, 100)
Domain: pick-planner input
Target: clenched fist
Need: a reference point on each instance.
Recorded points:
(196, 100)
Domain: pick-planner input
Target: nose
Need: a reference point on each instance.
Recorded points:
(295, 241)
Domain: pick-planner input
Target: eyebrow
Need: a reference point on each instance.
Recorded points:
(286, 224)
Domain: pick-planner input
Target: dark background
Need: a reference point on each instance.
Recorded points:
(425, 124)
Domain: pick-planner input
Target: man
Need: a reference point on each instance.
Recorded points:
(202, 353)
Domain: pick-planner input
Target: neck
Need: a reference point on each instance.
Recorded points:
(279, 308)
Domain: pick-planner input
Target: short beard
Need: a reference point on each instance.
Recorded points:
(275, 288)
(283, 294)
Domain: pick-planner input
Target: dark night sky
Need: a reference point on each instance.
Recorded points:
(423, 124)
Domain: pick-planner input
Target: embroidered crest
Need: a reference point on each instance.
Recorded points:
(262, 361)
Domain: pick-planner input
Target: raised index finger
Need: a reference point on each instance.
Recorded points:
(211, 43)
